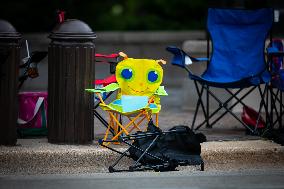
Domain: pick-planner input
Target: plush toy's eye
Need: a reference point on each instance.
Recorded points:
(127, 73)
(153, 76)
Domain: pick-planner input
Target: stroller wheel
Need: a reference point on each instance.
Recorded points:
(131, 168)
(111, 169)
(202, 167)
(253, 133)
(157, 170)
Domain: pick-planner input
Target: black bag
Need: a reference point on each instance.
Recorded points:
(179, 144)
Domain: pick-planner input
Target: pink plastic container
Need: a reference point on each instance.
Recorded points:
(32, 110)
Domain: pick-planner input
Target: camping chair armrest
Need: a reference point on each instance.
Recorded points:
(98, 91)
(95, 90)
(104, 58)
(107, 55)
(273, 51)
(161, 91)
(109, 88)
(106, 81)
(182, 59)
(111, 59)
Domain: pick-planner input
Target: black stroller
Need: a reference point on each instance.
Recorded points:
(160, 150)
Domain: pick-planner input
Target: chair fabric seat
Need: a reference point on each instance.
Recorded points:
(117, 107)
(262, 78)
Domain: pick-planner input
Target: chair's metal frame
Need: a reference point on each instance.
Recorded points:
(225, 105)
(276, 97)
(117, 128)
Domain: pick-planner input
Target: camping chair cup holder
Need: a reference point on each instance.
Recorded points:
(231, 65)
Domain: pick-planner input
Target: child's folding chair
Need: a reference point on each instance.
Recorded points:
(138, 85)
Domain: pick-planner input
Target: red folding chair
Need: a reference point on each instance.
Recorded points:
(112, 60)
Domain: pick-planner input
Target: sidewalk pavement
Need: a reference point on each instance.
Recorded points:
(228, 148)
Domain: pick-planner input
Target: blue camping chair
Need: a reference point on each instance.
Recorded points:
(237, 60)
(275, 53)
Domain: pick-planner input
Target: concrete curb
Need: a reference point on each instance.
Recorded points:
(235, 155)
(36, 156)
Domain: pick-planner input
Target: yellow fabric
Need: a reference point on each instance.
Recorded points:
(138, 84)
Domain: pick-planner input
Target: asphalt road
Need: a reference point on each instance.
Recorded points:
(264, 179)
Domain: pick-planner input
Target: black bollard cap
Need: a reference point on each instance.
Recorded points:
(72, 29)
(8, 31)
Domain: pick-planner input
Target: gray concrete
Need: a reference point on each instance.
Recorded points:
(196, 180)
(36, 156)
(228, 148)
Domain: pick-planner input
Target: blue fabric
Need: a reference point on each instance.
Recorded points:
(238, 38)
(272, 50)
(152, 106)
(276, 64)
(132, 103)
(202, 59)
(179, 57)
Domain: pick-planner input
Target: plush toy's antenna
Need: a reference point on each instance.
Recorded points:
(122, 54)
(161, 61)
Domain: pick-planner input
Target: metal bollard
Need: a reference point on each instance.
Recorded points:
(9, 62)
(70, 70)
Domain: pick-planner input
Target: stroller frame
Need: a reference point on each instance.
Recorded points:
(164, 164)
